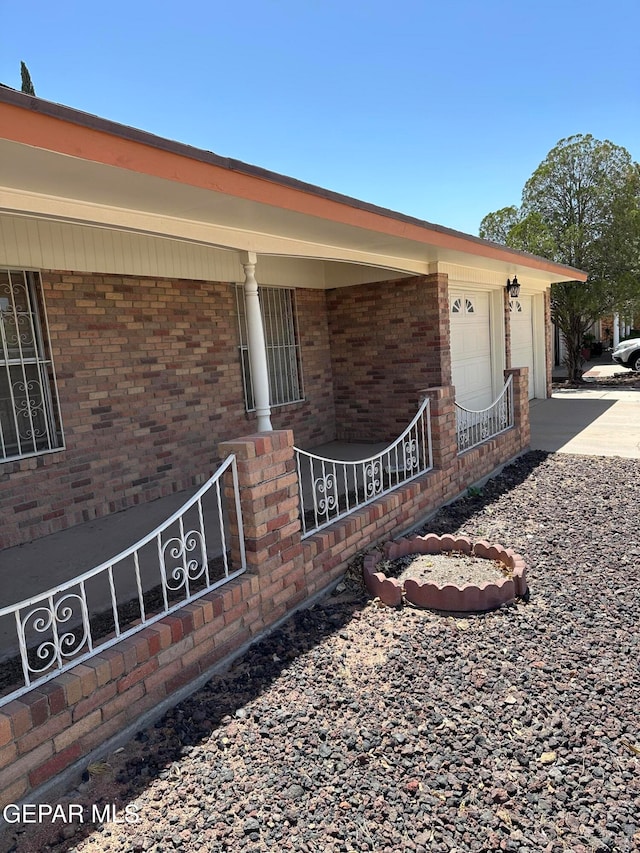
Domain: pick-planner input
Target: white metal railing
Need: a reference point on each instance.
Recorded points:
(474, 427)
(176, 563)
(332, 488)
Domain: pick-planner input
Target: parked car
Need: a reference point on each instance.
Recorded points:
(627, 354)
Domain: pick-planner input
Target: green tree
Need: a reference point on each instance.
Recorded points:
(27, 85)
(581, 207)
(497, 226)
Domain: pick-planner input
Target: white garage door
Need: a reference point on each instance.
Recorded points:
(471, 348)
(520, 311)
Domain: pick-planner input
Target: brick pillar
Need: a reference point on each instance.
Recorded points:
(269, 500)
(444, 442)
(440, 341)
(521, 403)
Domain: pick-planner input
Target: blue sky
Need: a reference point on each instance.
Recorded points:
(441, 111)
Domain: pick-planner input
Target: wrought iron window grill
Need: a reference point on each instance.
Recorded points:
(284, 365)
(29, 411)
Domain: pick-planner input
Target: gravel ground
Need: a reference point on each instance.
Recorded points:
(626, 379)
(358, 728)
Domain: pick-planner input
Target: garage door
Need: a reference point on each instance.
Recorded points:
(471, 348)
(520, 312)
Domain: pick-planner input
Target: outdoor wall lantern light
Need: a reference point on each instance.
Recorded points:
(513, 287)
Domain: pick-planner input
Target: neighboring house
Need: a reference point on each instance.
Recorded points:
(128, 266)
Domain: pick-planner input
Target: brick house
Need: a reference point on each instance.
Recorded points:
(163, 309)
(128, 254)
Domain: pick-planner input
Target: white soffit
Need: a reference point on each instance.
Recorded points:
(36, 182)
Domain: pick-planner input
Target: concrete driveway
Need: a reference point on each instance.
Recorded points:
(591, 421)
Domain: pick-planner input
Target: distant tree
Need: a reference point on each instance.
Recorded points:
(27, 85)
(581, 207)
(497, 226)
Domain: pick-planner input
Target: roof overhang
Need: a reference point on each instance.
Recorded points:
(66, 166)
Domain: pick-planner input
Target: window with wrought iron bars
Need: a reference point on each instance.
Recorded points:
(282, 344)
(29, 410)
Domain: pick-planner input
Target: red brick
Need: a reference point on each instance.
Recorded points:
(107, 342)
(235, 613)
(183, 677)
(119, 703)
(197, 652)
(103, 732)
(55, 765)
(176, 626)
(87, 676)
(38, 705)
(97, 698)
(209, 630)
(138, 674)
(72, 685)
(23, 766)
(158, 637)
(14, 792)
(20, 716)
(175, 651)
(77, 730)
(101, 668)
(7, 754)
(55, 695)
(5, 729)
(157, 679)
(43, 733)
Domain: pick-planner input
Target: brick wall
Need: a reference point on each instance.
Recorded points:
(150, 381)
(388, 341)
(312, 422)
(50, 728)
(58, 724)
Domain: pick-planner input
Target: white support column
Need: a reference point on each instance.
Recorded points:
(616, 329)
(257, 348)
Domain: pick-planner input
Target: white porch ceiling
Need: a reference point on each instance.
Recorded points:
(41, 184)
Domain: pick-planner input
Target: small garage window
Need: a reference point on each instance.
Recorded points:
(457, 306)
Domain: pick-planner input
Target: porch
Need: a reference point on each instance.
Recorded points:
(117, 568)
(52, 560)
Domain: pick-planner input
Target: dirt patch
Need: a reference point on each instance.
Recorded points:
(455, 568)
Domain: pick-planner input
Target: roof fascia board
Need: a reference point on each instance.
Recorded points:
(38, 123)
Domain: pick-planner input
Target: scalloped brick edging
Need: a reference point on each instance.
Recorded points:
(465, 599)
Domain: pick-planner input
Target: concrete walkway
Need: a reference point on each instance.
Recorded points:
(594, 422)
(597, 421)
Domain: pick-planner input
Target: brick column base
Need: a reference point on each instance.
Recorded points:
(269, 501)
(444, 443)
(521, 403)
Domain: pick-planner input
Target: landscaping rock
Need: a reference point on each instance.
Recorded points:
(362, 728)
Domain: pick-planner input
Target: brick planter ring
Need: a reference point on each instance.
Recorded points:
(466, 598)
